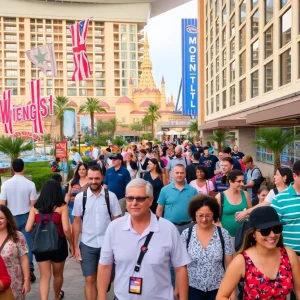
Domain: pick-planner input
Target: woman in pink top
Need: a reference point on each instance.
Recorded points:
(202, 184)
(51, 202)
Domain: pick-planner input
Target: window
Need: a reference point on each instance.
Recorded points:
(69, 74)
(211, 52)
(132, 55)
(217, 27)
(11, 64)
(124, 73)
(11, 82)
(217, 83)
(224, 77)
(133, 73)
(11, 54)
(224, 36)
(132, 28)
(212, 70)
(123, 55)
(132, 47)
(10, 37)
(243, 90)
(217, 46)
(283, 3)
(211, 19)
(49, 82)
(232, 48)
(72, 92)
(123, 46)
(207, 111)
(82, 92)
(232, 25)
(269, 76)
(123, 37)
(100, 93)
(232, 95)
(224, 100)
(285, 67)
(82, 83)
(269, 42)
(232, 71)
(123, 28)
(285, 26)
(69, 56)
(217, 64)
(206, 91)
(11, 73)
(254, 23)
(98, 57)
(255, 54)
(243, 12)
(217, 103)
(132, 65)
(124, 92)
(224, 56)
(242, 37)
(99, 74)
(99, 66)
(124, 82)
(269, 7)
(211, 87)
(217, 7)
(15, 92)
(70, 66)
(99, 83)
(212, 105)
(211, 35)
(124, 64)
(243, 63)
(253, 3)
(224, 16)
(232, 4)
(254, 84)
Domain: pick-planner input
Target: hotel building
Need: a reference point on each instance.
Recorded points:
(250, 71)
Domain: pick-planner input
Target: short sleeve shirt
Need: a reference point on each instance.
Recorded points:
(206, 270)
(96, 218)
(206, 189)
(176, 161)
(122, 245)
(252, 175)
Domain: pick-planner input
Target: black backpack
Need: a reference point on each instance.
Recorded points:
(45, 237)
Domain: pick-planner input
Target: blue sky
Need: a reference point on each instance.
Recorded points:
(164, 34)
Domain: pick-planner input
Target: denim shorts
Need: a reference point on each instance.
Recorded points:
(90, 259)
(70, 210)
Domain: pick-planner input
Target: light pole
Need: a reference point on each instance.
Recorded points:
(79, 136)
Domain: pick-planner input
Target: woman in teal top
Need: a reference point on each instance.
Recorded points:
(235, 200)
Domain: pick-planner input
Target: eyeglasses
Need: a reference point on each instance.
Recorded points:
(137, 199)
(208, 216)
(276, 229)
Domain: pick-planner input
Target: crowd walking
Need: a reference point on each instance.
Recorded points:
(159, 222)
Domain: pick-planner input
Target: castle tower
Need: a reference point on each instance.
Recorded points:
(146, 80)
(163, 94)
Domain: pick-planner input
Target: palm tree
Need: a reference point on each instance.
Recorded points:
(114, 123)
(137, 126)
(14, 147)
(91, 106)
(61, 104)
(152, 115)
(275, 139)
(193, 128)
(102, 127)
(219, 136)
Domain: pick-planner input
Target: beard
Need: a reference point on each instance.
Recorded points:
(178, 155)
(95, 187)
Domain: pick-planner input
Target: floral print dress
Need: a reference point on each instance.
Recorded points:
(11, 254)
(259, 286)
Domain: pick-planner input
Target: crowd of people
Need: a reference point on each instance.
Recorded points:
(157, 221)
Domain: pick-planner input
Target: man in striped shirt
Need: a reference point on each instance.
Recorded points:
(287, 206)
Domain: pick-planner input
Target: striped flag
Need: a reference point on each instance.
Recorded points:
(43, 57)
(35, 93)
(5, 112)
(82, 68)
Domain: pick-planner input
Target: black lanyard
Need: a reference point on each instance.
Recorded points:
(144, 249)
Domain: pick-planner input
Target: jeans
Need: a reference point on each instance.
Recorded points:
(195, 294)
(21, 222)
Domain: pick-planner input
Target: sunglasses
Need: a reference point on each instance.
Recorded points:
(137, 199)
(276, 229)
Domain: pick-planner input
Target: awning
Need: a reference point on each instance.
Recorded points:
(219, 124)
(172, 132)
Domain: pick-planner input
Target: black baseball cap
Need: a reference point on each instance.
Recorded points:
(116, 156)
(264, 217)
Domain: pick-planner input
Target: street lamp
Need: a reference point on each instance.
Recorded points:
(79, 136)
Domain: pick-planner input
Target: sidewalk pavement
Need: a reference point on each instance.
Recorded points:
(73, 283)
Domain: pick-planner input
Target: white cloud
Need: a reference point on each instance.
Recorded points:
(164, 34)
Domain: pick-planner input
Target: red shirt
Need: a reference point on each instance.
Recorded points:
(4, 276)
(56, 219)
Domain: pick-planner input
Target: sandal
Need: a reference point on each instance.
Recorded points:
(61, 295)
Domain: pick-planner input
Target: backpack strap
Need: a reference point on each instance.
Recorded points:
(83, 203)
(222, 204)
(107, 203)
(189, 237)
(275, 191)
(223, 245)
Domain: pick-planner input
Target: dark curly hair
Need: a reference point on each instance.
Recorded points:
(201, 200)
(12, 229)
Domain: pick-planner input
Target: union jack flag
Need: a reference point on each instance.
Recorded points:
(82, 68)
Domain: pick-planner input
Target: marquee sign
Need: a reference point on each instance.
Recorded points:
(26, 135)
(34, 112)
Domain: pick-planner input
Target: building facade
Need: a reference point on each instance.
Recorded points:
(251, 68)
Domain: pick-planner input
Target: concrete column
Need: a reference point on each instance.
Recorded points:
(245, 141)
(205, 134)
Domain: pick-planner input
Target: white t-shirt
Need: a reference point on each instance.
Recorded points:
(96, 218)
(18, 191)
(208, 187)
(269, 198)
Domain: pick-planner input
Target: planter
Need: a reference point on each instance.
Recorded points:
(4, 178)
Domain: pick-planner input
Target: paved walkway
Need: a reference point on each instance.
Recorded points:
(73, 283)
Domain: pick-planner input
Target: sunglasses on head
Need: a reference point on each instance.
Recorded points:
(276, 229)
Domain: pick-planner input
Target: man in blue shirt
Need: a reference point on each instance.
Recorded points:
(116, 179)
(236, 153)
(209, 161)
(236, 163)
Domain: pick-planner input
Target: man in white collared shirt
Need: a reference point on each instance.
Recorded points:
(123, 242)
(94, 224)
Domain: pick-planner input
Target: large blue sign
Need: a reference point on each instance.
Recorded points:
(189, 67)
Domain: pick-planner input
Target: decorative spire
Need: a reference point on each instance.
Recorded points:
(163, 80)
(146, 80)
